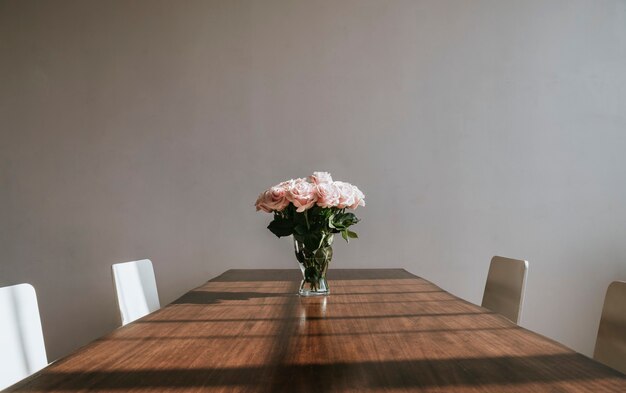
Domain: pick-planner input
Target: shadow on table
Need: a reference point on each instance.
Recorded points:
(208, 297)
(451, 373)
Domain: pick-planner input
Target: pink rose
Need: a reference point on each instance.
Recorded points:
(302, 194)
(320, 178)
(327, 195)
(260, 203)
(359, 198)
(273, 199)
(287, 184)
(347, 195)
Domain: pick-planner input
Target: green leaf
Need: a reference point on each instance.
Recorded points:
(353, 235)
(281, 227)
(300, 229)
(321, 255)
(312, 240)
(330, 221)
(344, 234)
(344, 220)
(299, 218)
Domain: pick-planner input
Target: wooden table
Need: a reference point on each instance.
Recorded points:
(379, 330)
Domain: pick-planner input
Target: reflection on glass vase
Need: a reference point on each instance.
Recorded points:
(314, 265)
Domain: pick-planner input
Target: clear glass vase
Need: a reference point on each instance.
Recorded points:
(314, 265)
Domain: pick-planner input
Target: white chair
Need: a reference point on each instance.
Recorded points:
(504, 290)
(611, 341)
(22, 349)
(136, 289)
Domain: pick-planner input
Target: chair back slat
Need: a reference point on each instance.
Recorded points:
(135, 286)
(611, 341)
(22, 349)
(504, 290)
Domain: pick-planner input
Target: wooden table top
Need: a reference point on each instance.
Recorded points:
(379, 330)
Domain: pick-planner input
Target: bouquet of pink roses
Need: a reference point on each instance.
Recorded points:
(312, 210)
(317, 196)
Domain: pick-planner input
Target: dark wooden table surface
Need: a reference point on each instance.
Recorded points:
(379, 330)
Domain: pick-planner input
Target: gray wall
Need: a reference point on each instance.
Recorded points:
(147, 129)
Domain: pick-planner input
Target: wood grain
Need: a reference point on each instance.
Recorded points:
(379, 330)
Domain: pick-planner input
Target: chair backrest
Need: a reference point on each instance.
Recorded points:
(611, 341)
(504, 290)
(136, 289)
(22, 349)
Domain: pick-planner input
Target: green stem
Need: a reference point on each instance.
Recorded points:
(306, 218)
